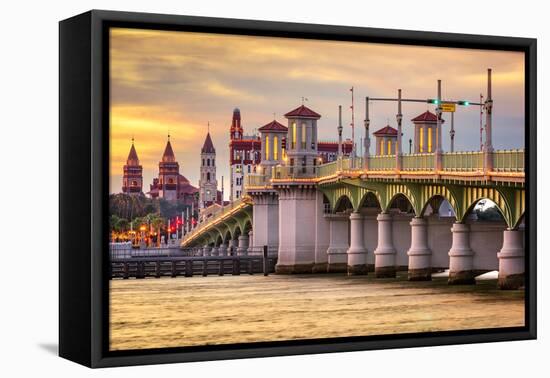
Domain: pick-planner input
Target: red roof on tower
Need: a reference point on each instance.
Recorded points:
(168, 155)
(303, 112)
(132, 156)
(427, 116)
(274, 126)
(208, 146)
(388, 130)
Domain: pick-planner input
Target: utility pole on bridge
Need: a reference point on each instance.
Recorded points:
(440, 104)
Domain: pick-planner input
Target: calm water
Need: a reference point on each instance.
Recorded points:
(170, 312)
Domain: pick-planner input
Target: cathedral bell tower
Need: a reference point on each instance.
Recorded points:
(208, 185)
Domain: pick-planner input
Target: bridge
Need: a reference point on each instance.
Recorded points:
(378, 213)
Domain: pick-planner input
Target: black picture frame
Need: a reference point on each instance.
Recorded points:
(84, 142)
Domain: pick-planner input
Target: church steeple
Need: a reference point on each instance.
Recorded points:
(169, 171)
(208, 184)
(132, 156)
(208, 146)
(132, 179)
(168, 156)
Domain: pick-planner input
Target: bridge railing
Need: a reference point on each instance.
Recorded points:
(256, 179)
(509, 160)
(417, 162)
(382, 163)
(294, 172)
(463, 161)
(329, 169)
(214, 217)
(504, 161)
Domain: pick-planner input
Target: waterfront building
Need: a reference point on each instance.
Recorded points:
(170, 184)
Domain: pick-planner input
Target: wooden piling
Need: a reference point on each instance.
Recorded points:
(220, 272)
(236, 267)
(189, 268)
(204, 267)
(265, 262)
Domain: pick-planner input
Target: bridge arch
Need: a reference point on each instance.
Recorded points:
(473, 195)
(371, 199)
(247, 226)
(402, 202)
(431, 194)
(343, 203)
(227, 236)
(394, 190)
(219, 241)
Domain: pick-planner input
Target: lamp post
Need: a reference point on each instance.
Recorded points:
(399, 118)
(366, 141)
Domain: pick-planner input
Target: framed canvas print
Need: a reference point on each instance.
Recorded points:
(234, 188)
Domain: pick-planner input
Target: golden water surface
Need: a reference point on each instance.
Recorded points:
(172, 312)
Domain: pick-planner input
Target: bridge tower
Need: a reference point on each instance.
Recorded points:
(272, 136)
(386, 141)
(208, 185)
(299, 201)
(302, 139)
(132, 179)
(425, 132)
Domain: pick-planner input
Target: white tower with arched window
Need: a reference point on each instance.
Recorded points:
(272, 136)
(208, 185)
(425, 132)
(301, 141)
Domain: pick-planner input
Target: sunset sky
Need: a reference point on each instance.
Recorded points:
(176, 82)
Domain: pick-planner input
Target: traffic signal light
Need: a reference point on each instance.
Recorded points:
(283, 143)
(433, 101)
(463, 102)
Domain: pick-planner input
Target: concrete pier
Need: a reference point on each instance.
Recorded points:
(357, 253)
(461, 262)
(511, 270)
(384, 264)
(420, 255)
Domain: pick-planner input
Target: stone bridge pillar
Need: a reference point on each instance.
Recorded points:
(420, 255)
(265, 220)
(322, 235)
(511, 261)
(243, 245)
(250, 242)
(338, 244)
(222, 250)
(461, 262)
(357, 252)
(384, 254)
(296, 230)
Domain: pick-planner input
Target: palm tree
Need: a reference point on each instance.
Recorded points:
(157, 223)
